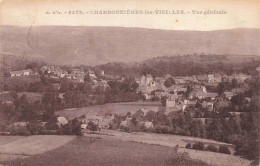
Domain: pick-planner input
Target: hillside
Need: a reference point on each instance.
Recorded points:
(95, 45)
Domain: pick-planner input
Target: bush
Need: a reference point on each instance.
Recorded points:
(211, 148)
(19, 130)
(34, 128)
(188, 146)
(71, 128)
(224, 149)
(198, 146)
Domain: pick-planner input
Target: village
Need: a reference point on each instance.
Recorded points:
(175, 93)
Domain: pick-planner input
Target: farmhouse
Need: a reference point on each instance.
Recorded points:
(16, 73)
(210, 78)
(61, 120)
(27, 72)
(148, 124)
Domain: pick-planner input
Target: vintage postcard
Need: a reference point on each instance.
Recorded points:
(128, 82)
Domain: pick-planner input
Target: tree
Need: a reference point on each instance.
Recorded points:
(169, 82)
(221, 88)
(32, 66)
(92, 126)
(134, 86)
(237, 100)
(87, 78)
(163, 100)
(234, 83)
(224, 149)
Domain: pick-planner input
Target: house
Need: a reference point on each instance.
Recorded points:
(7, 102)
(228, 95)
(210, 95)
(63, 74)
(181, 89)
(61, 121)
(258, 68)
(27, 72)
(202, 78)
(112, 77)
(200, 87)
(160, 94)
(16, 73)
(167, 76)
(80, 79)
(45, 69)
(147, 97)
(146, 79)
(179, 80)
(148, 124)
(199, 94)
(208, 105)
(61, 95)
(170, 103)
(137, 80)
(202, 95)
(175, 108)
(217, 78)
(239, 77)
(21, 124)
(210, 78)
(84, 126)
(190, 102)
(95, 119)
(159, 80)
(170, 96)
(71, 76)
(92, 76)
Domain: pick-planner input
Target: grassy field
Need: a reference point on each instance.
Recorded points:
(29, 146)
(9, 139)
(118, 108)
(87, 151)
(210, 158)
(112, 148)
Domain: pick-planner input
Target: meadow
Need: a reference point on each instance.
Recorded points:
(211, 158)
(112, 108)
(88, 151)
(15, 147)
(112, 147)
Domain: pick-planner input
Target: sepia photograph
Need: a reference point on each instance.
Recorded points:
(129, 83)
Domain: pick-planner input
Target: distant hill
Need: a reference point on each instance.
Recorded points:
(95, 45)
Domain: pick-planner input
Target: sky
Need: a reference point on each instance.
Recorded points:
(239, 13)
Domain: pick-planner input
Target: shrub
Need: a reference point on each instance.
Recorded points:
(211, 148)
(224, 149)
(198, 146)
(125, 128)
(188, 146)
(34, 128)
(19, 130)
